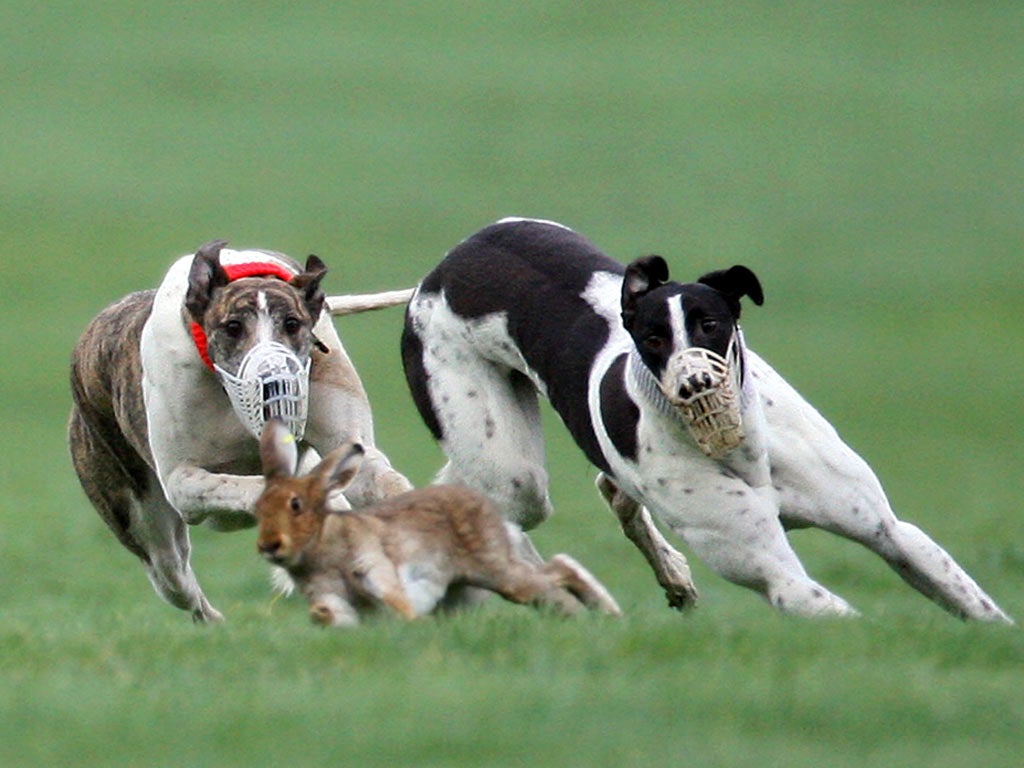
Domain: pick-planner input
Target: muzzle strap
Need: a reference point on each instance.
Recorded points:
(202, 344)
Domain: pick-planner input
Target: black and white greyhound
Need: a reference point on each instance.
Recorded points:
(526, 306)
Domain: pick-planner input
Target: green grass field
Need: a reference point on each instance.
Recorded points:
(865, 159)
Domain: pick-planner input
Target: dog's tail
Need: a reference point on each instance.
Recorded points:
(364, 302)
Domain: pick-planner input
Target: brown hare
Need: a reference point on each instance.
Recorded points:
(406, 552)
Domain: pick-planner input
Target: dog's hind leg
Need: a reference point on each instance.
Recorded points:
(492, 435)
(118, 480)
(484, 414)
(122, 489)
(851, 503)
(670, 566)
(164, 535)
(113, 479)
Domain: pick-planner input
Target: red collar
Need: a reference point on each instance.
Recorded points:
(237, 272)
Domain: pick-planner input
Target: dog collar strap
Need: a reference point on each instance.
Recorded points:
(202, 345)
(237, 272)
(647, 386)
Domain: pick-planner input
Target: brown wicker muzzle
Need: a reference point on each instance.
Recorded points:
(711, 410)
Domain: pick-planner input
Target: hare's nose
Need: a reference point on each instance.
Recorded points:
(269, 546)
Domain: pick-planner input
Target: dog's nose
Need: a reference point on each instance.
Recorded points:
(695, 384)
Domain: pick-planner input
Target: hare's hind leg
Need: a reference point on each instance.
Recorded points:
(582, 584)
(377, 577)
(525, 584)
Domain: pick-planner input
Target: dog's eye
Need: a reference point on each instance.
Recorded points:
(709, 325)
(655, 343)
(295, 504)
(233, 328)
(292, 325)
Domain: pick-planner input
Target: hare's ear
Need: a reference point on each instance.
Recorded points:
(339, 467)
(279, 451)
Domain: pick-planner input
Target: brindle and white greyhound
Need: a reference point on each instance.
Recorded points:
(154, 438)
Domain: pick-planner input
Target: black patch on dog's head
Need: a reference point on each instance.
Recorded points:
(710, 309)
(735, 283)
(642, 276)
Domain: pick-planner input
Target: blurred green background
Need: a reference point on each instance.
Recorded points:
(864, 158)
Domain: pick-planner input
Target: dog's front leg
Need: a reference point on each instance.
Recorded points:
(224, 502)
(339, 411)
(376, 480)
(669, 565)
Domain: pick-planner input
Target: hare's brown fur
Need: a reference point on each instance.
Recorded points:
(406, 552)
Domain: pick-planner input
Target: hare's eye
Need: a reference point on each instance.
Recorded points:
(295, 504)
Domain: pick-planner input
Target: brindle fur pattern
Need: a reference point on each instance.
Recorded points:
(152, 434)
(405, 553)
(113, 463)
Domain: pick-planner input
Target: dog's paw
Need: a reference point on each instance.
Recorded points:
(682, 597)
(207, 614)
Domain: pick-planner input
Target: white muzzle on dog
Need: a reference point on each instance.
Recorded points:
(271, 382)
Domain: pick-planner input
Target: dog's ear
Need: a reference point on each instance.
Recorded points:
(642, 276)
(735, 283)
(204, 278)
(308, 282)
(279, 454)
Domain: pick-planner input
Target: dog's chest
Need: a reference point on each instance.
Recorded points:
(651, 452)
(189, 416)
